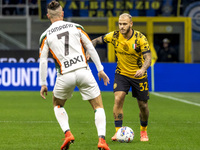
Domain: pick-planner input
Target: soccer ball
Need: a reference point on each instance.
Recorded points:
(125, 135)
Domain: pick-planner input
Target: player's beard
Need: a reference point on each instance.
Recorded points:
(126, 31)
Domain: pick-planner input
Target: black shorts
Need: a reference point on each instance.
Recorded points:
(140, 87)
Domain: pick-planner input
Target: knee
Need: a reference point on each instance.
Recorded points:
(58, 102)
(143, 106)
(118, 102)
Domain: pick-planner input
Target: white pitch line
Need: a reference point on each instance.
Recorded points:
(86, 122)
(176, 99)
(7, 121)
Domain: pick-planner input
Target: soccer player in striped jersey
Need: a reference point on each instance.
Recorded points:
(65, 41)
(133, 59)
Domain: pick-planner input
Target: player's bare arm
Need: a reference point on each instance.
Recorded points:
(97, 41)
(102, 75)
(147, 61)
(145, 66)
(43, 91)
(94, 42)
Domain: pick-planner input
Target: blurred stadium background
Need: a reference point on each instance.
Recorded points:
(23, 21)
(28, 122)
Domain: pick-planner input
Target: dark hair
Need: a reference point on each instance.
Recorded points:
(53, 5)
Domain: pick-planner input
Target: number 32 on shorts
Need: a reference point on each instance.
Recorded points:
(143, 86)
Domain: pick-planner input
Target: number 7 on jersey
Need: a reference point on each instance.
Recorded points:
(66, 36)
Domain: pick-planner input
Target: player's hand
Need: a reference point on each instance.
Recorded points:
(87, 55)
(139, 73)
(43, 91)
(102, 75)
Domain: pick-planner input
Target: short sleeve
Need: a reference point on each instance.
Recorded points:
(107, 38)
(144, 44)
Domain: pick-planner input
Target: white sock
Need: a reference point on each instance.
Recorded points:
(62, 118)
(100, 121)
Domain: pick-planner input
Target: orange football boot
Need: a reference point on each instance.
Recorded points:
(69, 138)
(114, 138)
(143, 136)
(102, 145)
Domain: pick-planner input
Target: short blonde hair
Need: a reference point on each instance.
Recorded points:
(54, 9)
(126, 15)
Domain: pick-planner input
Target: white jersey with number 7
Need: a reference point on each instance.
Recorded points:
(66, 42)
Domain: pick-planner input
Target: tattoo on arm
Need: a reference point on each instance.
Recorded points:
(147, 61)
(97, 41)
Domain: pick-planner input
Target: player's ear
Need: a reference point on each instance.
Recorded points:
(62, 13)
(48, 16)
(131, 24)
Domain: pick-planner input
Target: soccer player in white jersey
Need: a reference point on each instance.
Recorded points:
(65, 41)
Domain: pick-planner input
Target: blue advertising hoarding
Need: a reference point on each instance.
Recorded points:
(169, 77)
(24, 76)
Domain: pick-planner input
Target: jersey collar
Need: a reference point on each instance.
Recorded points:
(131, 35)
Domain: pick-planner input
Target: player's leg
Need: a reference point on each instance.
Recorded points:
(60, 113)
(142, 94)
(120, 88)
(118, 111)
(144, 115)
(62, 91)
(90, 91)
(100, 121)
(100, 118)
(62, 118)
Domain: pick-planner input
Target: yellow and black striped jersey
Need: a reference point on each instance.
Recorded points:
(129, 52)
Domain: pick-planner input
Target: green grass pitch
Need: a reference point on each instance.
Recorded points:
(27, 122)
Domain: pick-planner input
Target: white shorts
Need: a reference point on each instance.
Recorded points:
(82, 78)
